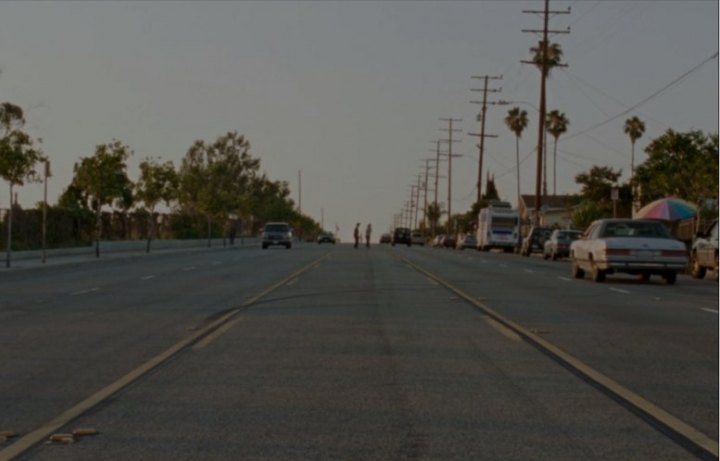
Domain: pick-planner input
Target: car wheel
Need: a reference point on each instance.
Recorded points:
(546, 256)
(264, 247)
(577, 273)
(288, 246)
(670, 278)
(645, 277)
(597, 274)
(554, 256)
(696, 269)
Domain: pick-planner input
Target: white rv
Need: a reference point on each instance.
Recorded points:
(498, 227)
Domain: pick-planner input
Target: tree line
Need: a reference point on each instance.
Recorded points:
(217, 190)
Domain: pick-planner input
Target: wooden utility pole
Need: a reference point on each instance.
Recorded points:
(44, 214)
(481, 119)
(450, 157)
(544, 68)
(300, 191)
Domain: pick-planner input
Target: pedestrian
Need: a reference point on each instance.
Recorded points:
(368, 231)
(356, 234)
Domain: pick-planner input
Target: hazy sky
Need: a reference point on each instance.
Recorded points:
(351, 93)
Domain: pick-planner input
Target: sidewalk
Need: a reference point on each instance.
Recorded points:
(116, 250)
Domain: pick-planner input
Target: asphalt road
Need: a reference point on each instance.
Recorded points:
(328, 352)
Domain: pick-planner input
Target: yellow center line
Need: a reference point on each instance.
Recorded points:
(45, 430)
(214, 335)
(689, 434)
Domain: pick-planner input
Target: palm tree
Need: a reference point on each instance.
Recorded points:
(553, 58)
(516, 120)
(557, 124)
(634, 128)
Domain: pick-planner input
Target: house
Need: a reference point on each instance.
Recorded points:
(555, 211)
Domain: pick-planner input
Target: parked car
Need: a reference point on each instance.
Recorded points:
(438, 240)
(534, 242)
(402, 235)
(704, 251)
(386, 238)
(466, 241)
(635, 246)
(326, 237)
(449, 241)
(558, 245)
(417, 238)
(276, 233)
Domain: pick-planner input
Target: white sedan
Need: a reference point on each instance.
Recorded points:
(641, 247)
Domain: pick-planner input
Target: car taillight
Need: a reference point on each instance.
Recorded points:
(673, 253)
(617, 252)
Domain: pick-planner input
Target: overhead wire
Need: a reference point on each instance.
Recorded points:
(652, 96)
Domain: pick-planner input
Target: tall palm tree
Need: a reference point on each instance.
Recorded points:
(557, 124)
(517, 120)
(553, 58)
(634, 128)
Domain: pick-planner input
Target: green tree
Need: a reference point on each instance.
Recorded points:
(18, 159)
(595, 201)
(683, 165)
(215, 179)
(103, 178)
(11, 117)
(158, 182)
(516, 120)
(556, 124)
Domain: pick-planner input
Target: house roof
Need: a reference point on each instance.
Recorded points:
(556, 202)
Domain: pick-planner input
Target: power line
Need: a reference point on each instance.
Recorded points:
(655, 94)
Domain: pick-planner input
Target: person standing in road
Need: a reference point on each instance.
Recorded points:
(368, 232)
(356, 234)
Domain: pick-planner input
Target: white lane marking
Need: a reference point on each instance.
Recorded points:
(618, 290)
(564, 279)
(529, 271)
(189, 268)
(84, 292)
(710, 310)
(148, 277)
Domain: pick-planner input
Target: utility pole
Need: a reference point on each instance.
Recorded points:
(44, 215)
(481, 119)
(427, 174)
(450, 157)
(417, 200)
(300, 191)
(544, 68)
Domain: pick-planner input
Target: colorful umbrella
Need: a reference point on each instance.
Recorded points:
(669, 209)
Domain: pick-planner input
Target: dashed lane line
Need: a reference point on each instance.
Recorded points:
(564, 279)
(619, 290)
(84, 292)
(43, 431)
(148, 277)
(190, 268)
(714, 311)
(677, 430)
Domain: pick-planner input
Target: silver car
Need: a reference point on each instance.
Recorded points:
(642, 247)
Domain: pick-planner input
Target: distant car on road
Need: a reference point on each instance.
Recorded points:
(704, 251)
(326, 237)
(402, 235)
(635, 246)
(535, 240)
(417, 238)
(558, 245)
(386, 238)
(276, 233)
(466, 241)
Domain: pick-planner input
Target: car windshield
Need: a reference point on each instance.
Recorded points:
(277, 228)
(568, 236)
(635, 229)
